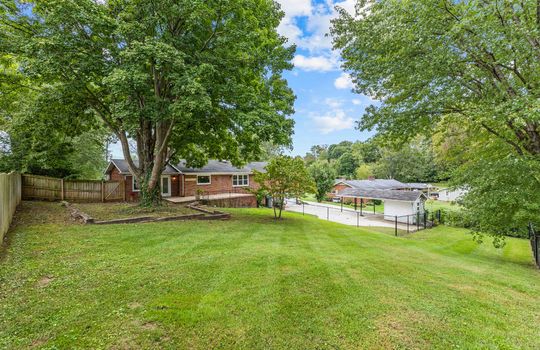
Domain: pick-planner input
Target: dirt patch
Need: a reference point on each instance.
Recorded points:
(149, 326)
(134, 305)
(44, 281)
(37, 343)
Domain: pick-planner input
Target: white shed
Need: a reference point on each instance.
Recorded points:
(401, 205)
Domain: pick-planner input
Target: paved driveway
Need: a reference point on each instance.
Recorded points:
(347, 216)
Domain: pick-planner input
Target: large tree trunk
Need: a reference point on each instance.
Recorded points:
(152, 151)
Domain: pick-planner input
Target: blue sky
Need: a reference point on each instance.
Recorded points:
(326, 109)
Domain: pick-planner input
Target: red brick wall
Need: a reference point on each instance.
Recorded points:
(242, 202)
(219, 184)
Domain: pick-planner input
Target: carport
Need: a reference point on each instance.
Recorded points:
(398, 205)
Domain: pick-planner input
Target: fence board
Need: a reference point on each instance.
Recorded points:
(10, 197)
(53, 189)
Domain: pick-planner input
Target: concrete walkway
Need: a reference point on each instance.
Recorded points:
(347, 217)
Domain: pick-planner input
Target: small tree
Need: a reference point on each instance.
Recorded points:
(324, 176)
(284, 177)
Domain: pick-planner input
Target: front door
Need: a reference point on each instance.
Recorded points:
(166, 186)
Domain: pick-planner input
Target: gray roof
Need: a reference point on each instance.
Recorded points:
(122, 166)
(213, 166)
(408, 196)
(376, 184)
(418, 186)
(221, 166)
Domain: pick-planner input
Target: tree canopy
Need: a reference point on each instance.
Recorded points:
(324, 175)
(447, 66)
(183, 79)
(285, 177)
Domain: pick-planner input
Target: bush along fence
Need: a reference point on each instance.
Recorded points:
(54, 189)
(534, 236)
(10, 197)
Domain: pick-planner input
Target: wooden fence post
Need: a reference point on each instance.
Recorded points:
(102, 191)
(124, 189)
(62, 189)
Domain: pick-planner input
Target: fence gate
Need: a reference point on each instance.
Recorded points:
(535, 244)
(113, 191)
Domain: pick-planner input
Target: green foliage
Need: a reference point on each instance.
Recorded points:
(347, 164)
(467, 70)
(37, 141)
(413, 162)
(285, 177)
(324, 176)
(184, 79)
(364, 171)
(335, 151)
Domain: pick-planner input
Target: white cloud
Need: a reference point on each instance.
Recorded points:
(356, 101)
(344, 82)
(294, 8)
(317, 19)
(333, 121)
(314, 63)
(333, 102)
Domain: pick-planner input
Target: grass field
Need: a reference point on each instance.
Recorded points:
(253, 283)
(113, 211)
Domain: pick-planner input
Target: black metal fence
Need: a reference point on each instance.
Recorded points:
(534, 236)
(401, 224)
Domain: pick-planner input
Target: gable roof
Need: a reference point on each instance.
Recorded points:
(212, 167)
(406, 196)
(221, 167)
(123, 168)
(376, 184)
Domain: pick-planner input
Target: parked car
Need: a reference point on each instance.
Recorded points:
(336, 200)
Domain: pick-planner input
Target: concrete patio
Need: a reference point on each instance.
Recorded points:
(210, 197)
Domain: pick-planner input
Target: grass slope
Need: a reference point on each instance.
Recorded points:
(254, 283)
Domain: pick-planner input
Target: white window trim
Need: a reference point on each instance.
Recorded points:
(204, 184)
(246, 175)
(133, 189)
(168, 194)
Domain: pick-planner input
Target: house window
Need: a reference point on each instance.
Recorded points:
(203, 180)
(135, 185)
(240, 180)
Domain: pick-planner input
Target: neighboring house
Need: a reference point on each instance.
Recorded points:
(416, 186)
(371, 184)
(216, 177)
(451, 195)
(398, 203)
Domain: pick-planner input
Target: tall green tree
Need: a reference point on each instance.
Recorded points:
(35, 140)
(443, 63)
(324, 175)
(412, 162)
(347, 164)
(191, 79)
(285, 177)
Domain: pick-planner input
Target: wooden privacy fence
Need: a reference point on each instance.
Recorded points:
(10, 197)
(52, 189)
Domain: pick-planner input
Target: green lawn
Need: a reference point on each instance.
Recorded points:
(254, 283)
(434, 205)
(128, 210)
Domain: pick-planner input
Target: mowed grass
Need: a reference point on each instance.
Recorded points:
(254, 283)
(111, 211)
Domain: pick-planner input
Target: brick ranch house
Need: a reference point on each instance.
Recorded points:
(215, 178)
